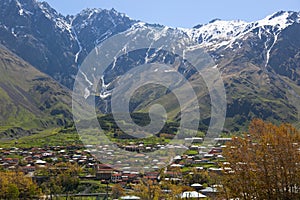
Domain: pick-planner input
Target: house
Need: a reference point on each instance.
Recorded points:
(222, 140)
(210, 192)
(215, 170)
(215, 150)
(104, 172)
(130, 198)
(116, 177)
(28, 169)
(176, 166)
(197, 186)
(40, 163)
(130, 176)
(194, 140)
(192, 195)
(9, 162)
(152, 175)
(174, 176)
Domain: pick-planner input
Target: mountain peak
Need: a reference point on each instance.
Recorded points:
(215, 31)
(88, 11)
(218, 33)
(281, 19)
(197, 26)
(284, 14)
(93, 11)
(214, 20)
(277, 14)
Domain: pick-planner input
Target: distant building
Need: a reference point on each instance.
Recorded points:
(104, 174)
(194, 140)
(222, 140)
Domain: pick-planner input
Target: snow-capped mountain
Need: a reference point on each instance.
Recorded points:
(60, 43)
(54, 43)
(39, 35)
(219, 33)
(259, 60)
(92, 26)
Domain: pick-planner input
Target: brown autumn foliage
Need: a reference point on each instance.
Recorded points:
(117, 191)
(147, 190)
(265, 164)
(152, 190)
(15, 185)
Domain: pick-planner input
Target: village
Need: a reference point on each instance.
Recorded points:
(180, 171)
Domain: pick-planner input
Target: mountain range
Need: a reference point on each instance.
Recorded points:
(42, 52)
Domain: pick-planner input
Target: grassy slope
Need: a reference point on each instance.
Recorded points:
(29, 100)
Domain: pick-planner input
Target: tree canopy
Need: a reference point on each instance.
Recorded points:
(15, 185)
(264, 164)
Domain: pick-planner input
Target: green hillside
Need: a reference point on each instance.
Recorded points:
(30, 101)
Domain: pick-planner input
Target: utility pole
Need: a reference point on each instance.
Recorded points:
(106, 196)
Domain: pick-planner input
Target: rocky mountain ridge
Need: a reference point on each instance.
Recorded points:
(259, 61)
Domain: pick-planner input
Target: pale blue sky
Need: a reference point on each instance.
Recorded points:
(182, 13)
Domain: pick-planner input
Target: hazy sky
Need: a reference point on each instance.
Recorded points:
(182, 13)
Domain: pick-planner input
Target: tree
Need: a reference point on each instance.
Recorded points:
(147, 190)
(62, 178)
(117, 191)
(14, 185)
(264, 164)
(12, 191)
(150, 190)
(196, 177)
(175, 190)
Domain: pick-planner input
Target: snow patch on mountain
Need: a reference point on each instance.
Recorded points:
(86, 78)
(13, 32)
(219, 33)
(104, 92)
(279, 20)
(22, 8)
(218, 30)
(21, 11)
(75, 37)
(272, 26)
(52, 15)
